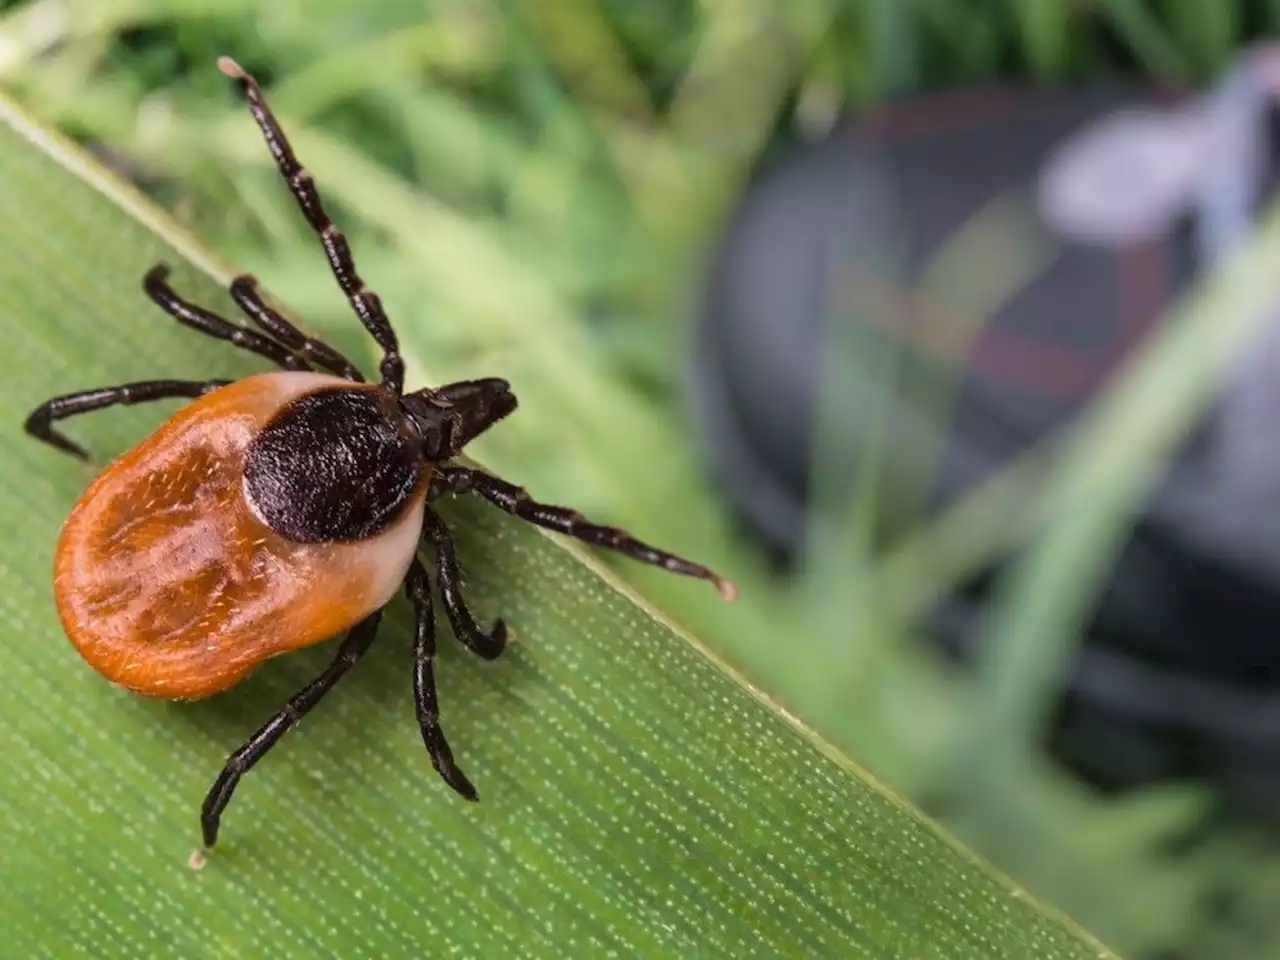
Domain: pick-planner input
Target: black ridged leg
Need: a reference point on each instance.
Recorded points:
(244, 290)
(365, 302)
(514, 500)
(40, 421)
(488, 646)
(417, 587)
(155, 283)
(239, 763)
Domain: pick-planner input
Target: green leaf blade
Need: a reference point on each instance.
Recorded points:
(637, 796)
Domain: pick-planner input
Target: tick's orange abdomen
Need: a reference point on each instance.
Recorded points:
(168, 583)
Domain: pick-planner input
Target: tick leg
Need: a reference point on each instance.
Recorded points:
(517, 502)
(417, 587)
(366, 303)
(40, 422)
(156, 284)
(488, 646)
(244, 290)
(239, 763)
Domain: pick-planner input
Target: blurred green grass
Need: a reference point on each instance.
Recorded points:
(532, 188)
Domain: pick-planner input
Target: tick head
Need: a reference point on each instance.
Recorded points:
(450, 417)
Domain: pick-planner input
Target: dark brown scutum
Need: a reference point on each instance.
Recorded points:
(332, 467)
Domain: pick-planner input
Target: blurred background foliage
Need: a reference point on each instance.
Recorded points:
(533, 187)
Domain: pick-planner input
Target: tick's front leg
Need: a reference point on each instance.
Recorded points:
(517, 502)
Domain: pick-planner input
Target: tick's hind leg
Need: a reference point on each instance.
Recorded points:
(240, 762)
(156, 284)
(244, 290)
(40, 422)
(490, 645)
(417, 586)
(515, 501)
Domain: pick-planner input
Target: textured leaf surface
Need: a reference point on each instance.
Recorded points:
(638, 799)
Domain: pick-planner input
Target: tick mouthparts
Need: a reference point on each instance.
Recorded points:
(727, 589)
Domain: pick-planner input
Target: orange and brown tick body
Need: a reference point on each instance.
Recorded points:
(173, 580)
(280, 510)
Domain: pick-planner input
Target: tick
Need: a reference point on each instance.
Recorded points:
(277, 511)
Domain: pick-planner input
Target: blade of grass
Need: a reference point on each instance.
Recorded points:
(1207, 32)
(1145, 35)
(1045, 30)
(1106, 469)
(640, 798)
